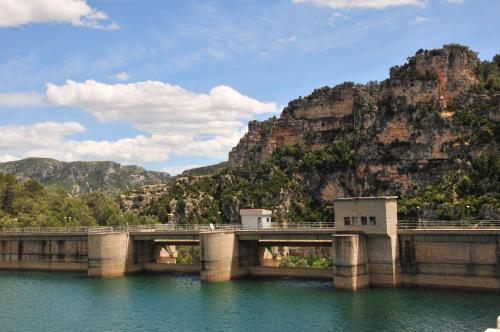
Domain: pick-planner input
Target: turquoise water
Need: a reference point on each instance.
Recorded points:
(39, 301)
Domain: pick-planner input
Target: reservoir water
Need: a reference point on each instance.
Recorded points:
(42, 301)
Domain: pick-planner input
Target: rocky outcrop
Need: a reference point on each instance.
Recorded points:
(402, 128)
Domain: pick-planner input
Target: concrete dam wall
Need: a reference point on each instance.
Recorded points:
(429, 258)
(44, 252)
(450, 258)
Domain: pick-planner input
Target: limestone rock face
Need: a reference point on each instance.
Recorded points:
(401, 127)
(433, 76)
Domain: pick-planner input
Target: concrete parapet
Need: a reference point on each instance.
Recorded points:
(107, 254)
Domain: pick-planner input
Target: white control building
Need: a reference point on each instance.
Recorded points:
(255, 218)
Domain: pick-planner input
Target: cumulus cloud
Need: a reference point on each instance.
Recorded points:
(123, 76)
(21, 99)
(213, 120)
(51, 139)
(378, 4)
(14, 13)
(176, 121)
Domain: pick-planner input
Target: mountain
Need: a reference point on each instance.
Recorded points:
(205, 171)
(429, 134)
(83, 177)
(434, 116)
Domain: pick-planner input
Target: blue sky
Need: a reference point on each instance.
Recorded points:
(172, 84)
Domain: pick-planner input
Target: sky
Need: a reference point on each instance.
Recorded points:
(171, 84)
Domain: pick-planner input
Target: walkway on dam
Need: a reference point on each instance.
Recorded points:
(189, 229)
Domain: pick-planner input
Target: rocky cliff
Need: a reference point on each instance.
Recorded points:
(402, 130)
(429, 134)
(83, 177)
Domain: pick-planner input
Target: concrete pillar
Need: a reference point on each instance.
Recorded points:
(267, 258)
(165, 254)
(220, 257)
(383, 260)
(349, 263)
(107, 254)
(139, 253)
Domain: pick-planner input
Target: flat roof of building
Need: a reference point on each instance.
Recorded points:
(248, 212)
(366, 198)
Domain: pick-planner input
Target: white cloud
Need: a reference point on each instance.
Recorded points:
(50, 139)
(197, 124)
(21, 99)
(14, 13)
(362, 3)
(123, 76)
(419, 20)
(286, 40)
(177, 121)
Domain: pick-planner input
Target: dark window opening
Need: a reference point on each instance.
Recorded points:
(364, 221)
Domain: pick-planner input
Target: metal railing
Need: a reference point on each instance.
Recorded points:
(175, 227)
(156, 228)
(111, 229)
(422, 224)
(304, 225)
(57, 230)
(450, 224)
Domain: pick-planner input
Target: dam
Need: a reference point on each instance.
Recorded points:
(369, 247)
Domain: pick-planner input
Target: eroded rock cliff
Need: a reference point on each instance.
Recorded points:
(401, 129)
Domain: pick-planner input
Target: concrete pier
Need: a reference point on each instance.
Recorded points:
(350, 262)
(107, 255)
(219, 256)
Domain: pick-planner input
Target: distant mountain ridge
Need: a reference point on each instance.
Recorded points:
(204, 170)
(81, 177)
